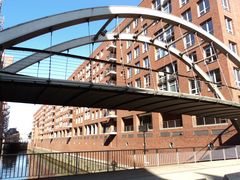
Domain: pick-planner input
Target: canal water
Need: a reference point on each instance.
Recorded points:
(22, 165)
(14, 166)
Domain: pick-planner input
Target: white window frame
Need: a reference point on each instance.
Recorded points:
(236, 73)
(138, 83)
(145, 47)
(136, 52)
(225, 5)
(183, 2)
(187, 15)
(212, 56)
(146, 62)
(205, 9)
(147, 81)
(129, 73)
(213, 76)
(208, 26)
(135, 23)
(189, 40)
(233, 46)
(137, 71)
(129, 57)
(196, 88)
(167, 6)
(229, 25)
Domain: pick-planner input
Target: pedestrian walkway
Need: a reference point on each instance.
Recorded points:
(216, 170)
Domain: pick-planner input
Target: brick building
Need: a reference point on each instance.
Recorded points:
(80, 128)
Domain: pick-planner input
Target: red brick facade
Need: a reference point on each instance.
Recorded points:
(78, 129)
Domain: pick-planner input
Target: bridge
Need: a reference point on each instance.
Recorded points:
(16, 86)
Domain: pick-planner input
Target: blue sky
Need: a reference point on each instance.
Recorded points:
(20, 11)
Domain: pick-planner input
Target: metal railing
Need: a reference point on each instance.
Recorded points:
(72, 163)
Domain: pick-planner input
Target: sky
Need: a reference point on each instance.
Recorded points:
(20, 11)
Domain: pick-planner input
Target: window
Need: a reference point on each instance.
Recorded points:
(146, 62)
(137, 71)
(209, 120)
(165, 35)
(167, 7)
(145, 47)
(135, 23)
(128, 123)
(193, 57)
(195, 87)
(129, 57)
(144, 29)
(168, 82)
(225, 4)
(172, 121)
(209, 54)
(147, 81)
(183, 2)
(189, 40)
(129, 74)
(187, 15)
(129, 43)
(136, 52)
(203, 7)
(233, 46)
(157, 4)
(215, 77)
(138, 83)
(160, 53)
(229, 25)
(128, 29)
(146, 120)
(208, 26)
(237, 76)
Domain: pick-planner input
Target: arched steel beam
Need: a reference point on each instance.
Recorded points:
(110, 37)
(28, 30)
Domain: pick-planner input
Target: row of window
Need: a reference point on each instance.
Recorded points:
(205, 3)
(145, 120)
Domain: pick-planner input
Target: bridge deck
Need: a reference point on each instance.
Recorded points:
(17, 88)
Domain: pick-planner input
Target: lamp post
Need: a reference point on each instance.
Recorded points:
(144, 128)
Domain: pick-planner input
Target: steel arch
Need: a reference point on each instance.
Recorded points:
(28, 30)
(19, 65)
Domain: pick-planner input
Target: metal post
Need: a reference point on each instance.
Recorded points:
(107, 161)
(194, 155)
(76, 170)
(210, 155)
(39, 166)
(144, 142)
(236, 152)
(224, 154)
(134, 159)
(177, 154)
(157, 156)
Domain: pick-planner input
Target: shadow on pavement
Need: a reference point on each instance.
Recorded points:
(139, 174)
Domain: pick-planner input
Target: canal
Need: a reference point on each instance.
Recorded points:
(15, 165)
(24, 165)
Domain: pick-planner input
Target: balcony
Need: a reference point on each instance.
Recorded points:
(111, 83)
(112, 57)
(162, 80)
(111, 71)
(111, 47)
(110, 114)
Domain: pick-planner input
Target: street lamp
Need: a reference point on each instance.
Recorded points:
(144, 128)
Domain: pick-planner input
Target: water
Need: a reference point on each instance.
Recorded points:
(14, 166)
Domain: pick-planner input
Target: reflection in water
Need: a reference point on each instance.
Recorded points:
(10, 165)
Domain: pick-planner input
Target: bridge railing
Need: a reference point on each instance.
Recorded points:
(71, 163)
